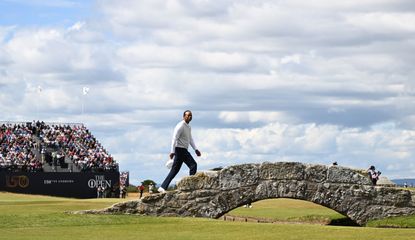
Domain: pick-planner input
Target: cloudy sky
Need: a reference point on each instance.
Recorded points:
(282, 80)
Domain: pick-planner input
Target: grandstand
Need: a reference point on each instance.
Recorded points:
(62, 159)
(51, 147)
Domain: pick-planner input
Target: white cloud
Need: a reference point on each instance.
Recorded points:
(313, 143)
(77, 26)
(37, 50)
(380, 22)
(296, 58)
(254, 117)
(222, 61)
(153, 56)
(267, 80)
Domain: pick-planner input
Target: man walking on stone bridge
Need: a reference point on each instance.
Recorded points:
(182, 137)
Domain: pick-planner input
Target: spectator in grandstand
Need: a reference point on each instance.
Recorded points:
(2, 162)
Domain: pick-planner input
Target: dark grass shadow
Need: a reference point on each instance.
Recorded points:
(343, 222)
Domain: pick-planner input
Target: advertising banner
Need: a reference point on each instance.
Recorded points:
(64, 184)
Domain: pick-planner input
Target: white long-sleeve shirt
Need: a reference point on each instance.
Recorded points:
(182, 137)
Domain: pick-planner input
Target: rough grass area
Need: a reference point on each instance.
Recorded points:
(37, 217)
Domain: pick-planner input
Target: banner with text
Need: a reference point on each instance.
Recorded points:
(75, 185)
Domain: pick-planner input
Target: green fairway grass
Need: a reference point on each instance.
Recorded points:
(394, 222)
(39, 217)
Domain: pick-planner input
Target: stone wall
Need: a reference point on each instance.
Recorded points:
(212, 194)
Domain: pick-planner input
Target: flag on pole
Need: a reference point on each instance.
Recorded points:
(85, 90)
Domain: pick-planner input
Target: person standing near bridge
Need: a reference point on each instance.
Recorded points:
(373, 174)
(141, 190)
(182, 138)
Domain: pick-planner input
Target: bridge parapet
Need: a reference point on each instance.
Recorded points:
(214, 193)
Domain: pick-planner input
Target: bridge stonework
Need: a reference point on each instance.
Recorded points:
(214, 193)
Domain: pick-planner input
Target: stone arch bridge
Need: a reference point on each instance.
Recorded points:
(214, 193)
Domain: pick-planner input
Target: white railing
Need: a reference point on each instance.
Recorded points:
(47, 123)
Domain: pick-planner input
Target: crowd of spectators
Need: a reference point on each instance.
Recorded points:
(16, 146)
(54, 143)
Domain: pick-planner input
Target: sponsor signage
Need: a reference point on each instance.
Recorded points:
(75, 185)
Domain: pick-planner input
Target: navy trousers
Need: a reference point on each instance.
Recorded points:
(181, 156)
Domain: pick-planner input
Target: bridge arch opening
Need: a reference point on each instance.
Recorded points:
(287, 210)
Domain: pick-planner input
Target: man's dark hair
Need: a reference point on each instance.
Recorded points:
(184, 113)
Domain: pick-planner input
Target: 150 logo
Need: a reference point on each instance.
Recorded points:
(17, 181)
